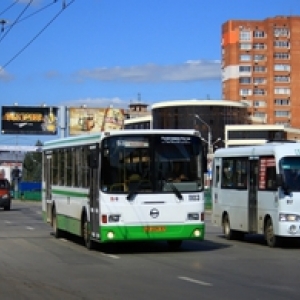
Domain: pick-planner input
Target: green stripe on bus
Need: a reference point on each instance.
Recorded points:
(142, 233)
(69, 193)
(136, 233)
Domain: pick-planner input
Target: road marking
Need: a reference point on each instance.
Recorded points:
(29, 228)
(110, 255)
(195, 281)
(7, 222)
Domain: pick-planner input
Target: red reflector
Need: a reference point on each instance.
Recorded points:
(202, 216)
(104, 218)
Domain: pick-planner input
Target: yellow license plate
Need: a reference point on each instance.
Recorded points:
(154, 228)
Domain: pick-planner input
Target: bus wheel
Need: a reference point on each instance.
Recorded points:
(228, 233)
(271, 239)
(87, 234)
(56, 231)
(174, 245)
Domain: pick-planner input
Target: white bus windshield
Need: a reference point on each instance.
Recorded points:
(151, 163)
(290, 167)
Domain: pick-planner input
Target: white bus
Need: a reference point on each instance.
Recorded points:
(256, 189)
(114, 186)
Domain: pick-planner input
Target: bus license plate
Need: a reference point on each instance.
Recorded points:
(154, 229)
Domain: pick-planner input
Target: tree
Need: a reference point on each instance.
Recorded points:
(32, 165)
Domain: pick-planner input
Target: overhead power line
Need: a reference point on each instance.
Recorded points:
(64, 6)
(14, 23)
(9, 7)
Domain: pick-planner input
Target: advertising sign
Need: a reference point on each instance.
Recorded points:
(90, 120)
(29, 120)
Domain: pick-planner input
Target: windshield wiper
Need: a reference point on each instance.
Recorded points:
(174, 189)
(136, 187)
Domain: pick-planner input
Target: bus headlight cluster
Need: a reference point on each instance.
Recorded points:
(193, 216)
(114, 218)
(289, 218)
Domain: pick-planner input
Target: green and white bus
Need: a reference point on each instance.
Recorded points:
(114, 186)
(256, 189)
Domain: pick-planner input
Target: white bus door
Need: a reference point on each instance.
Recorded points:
(48, 186)
(94, 202)
(252, 199)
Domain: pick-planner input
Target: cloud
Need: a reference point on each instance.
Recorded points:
(4, 76)
(192, 70)
(97, 102)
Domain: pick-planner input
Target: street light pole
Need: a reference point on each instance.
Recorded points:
(208, 134)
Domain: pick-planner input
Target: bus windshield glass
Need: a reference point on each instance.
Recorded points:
(290, 167)
(151, 163)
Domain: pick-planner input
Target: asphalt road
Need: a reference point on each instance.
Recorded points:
(35, 265)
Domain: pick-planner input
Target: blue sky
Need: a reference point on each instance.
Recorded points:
(103, 52)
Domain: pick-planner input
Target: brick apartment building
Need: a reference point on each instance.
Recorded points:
(261, 67)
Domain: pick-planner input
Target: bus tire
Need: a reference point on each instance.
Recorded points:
(271, 239)
(228, 232)
(56, 231)
(86, 234)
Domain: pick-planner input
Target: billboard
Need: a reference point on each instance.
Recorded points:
(29, 120)
(90, 120)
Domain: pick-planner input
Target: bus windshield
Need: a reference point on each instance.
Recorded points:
(290, 168)
(152, 163)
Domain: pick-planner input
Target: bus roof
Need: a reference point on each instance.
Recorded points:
(86, 139)
(273, 148)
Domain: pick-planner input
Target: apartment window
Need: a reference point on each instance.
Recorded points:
(259, 92)
(245, 57)
(282, 44)
(282, 102)
(245, 35)
(281, 32)
(259, 69)
(282, 91)
(259, 103)
(245, 92)
(282, 113)
(282, 78)
(259, 34)
(282, 67)
(259, 80)
(245, 69)
(258, 57)
(245, 46)
(245, 80)
(281, 55)
(259, 46)
(259, 114)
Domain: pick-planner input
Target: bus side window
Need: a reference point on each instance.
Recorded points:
(217, 176)
(271, 178)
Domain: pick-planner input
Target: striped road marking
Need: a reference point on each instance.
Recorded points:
(194, 281)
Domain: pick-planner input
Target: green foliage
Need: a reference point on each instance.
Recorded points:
(32, 166)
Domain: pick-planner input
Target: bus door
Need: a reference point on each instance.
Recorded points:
(48, 185)
(253, 187)
(94, 192)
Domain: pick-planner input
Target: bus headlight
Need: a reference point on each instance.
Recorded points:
(197, 232)
(110, 235)
(114, 218)
(193, 216)
(289, 218)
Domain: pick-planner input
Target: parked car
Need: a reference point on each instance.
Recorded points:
(5, 196)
